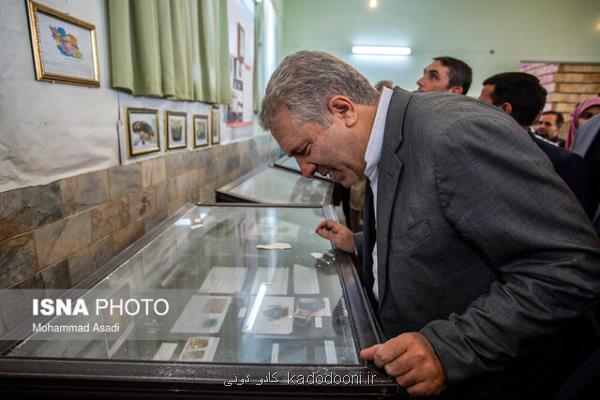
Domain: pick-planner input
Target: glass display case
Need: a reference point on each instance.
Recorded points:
(219, 300)
(276, 186)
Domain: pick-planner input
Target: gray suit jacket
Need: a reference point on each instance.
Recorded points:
(466, 255)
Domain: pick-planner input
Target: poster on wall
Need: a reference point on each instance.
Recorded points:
(240, 111)
(64, 48)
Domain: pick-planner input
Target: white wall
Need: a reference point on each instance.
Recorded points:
(52, 131)
(49, 131)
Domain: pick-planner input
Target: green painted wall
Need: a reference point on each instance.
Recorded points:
(546, 30)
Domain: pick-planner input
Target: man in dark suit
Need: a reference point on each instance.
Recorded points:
(587, 145)
(548, 125)
(522, 96)
(470, 289)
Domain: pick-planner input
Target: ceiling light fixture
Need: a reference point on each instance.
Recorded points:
(372, 3)
(381, 50)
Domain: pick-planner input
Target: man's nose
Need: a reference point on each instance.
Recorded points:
(306, 168)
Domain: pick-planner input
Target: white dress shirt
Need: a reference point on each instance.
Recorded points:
(372, 157)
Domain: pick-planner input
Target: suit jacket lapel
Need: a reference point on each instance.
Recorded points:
(390, 167)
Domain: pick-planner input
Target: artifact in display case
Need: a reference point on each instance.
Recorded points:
(197, 306)
(277, 186)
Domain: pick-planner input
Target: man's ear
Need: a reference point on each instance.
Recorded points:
(506, 107)
(343, 108)
(456, 90)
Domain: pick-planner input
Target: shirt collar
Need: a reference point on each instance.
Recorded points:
(375, 145)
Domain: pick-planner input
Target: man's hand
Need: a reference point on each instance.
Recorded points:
(339, 234)
(410, 359)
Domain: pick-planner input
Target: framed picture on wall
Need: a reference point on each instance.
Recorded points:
(176, 129)
(64, 48)
(241, 42)
(200, 130)
(142, 131)
(215, 131)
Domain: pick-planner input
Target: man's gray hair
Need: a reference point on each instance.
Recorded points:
(305, 81)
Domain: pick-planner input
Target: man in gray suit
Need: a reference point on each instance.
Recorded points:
(469, 286)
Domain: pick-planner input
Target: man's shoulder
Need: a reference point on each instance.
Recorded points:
(556, 152)
(451, 107)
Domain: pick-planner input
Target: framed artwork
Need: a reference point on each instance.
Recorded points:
(200, 130)
(176, 129)
(142, 131)
(64, 48)
(241, 45)
(215, 131)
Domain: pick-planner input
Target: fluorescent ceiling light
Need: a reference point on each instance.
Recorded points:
(381, 50)
(373, 3)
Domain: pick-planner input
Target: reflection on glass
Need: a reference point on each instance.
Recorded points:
(229, 302)
(278, 186)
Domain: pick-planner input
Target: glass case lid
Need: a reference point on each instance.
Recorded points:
(217, 284)
(278, 186)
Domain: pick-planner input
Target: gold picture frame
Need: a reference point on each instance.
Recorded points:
(201, 130)
(215, 126)
(175, 130)
(64, 48)
(142, 131)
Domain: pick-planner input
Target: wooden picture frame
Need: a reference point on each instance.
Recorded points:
(142, 131)
(215, 126)
(201, 130)
(241, 42)
(175, 130)
(64, 48)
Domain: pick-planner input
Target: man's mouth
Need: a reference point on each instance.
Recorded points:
(324, 171)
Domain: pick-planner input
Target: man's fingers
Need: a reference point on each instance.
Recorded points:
(368, 353)
(412, 361)
(327, 234)
(398, 367)
(408, 379)
(326, 224)
(322, 225)
(425, 388)
(390, 350)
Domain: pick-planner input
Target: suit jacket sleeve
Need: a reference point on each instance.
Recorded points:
(504, 199)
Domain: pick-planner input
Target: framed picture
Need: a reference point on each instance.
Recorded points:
(241, 45)
(176, 129)
(215, 131)
(64, 48)
(142, 131)
(200, 130)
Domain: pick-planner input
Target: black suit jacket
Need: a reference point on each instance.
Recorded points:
(466, 257)
(572, 169)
